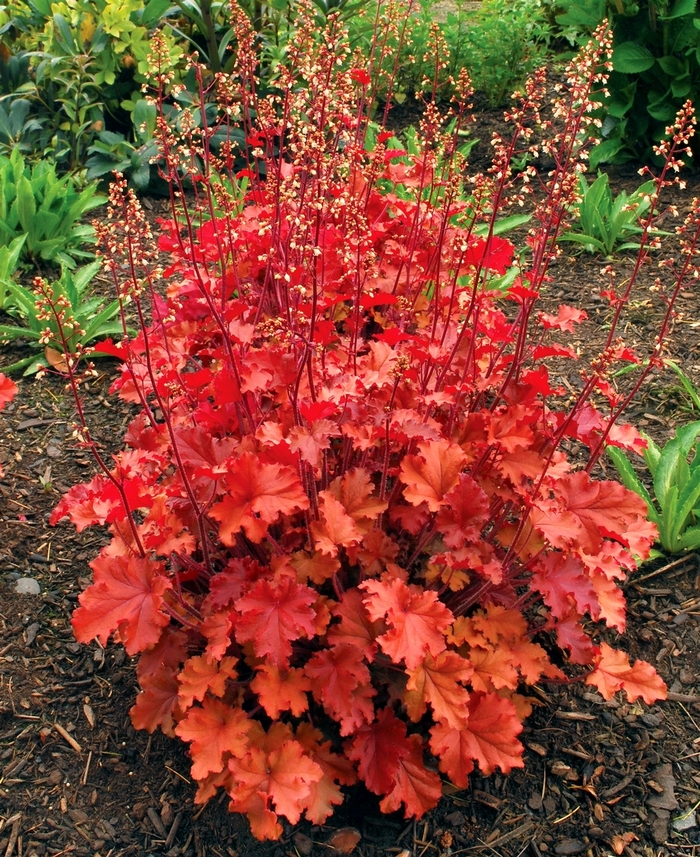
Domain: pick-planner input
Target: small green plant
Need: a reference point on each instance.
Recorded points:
(112, 152)
(675, 469)
(686, 384)
(47, 209)
(9, 262)
(604, 223)
(84, 318)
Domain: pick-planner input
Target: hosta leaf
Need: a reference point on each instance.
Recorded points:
(632, 57)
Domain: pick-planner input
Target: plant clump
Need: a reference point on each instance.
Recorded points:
(348, 528)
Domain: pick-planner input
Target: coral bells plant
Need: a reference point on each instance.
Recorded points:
(356, 517)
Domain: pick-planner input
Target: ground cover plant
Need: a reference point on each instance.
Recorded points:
(356, 517)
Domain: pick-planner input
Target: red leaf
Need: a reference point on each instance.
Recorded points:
(378, 749)
(156, 704)
(325, 794)
(418, 620)
(215, 732)
(126, 597)
(562, 581)
(274, 614)
(614, 672)
(355, 625)
(489, 738)
(437, 681)
(414, 786)
(170, 651)
(432, 474)
(337, 529)
(202, 675)
(8, 390)
(257, 495)
(593, 511)
(85, 504)
(281, 690)
(611, 601)
(565, 319)
(202, 452)
(493, 669)
(465, 512)
(342, 684)
(281, 776)
(354, 489)
(571, 636)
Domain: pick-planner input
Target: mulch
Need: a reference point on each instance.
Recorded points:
(600, 778)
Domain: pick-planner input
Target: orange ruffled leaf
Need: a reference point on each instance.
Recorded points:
(614, 672)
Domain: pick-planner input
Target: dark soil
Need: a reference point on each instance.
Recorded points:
(76, 778)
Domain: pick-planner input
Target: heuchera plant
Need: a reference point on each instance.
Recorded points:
(356, 517)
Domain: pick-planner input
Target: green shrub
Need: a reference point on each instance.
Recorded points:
(499, 45)
(35, 202)
(656, 68)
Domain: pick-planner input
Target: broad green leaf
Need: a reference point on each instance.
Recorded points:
(690, 539)
(64, 34)
(17, 162)
(105, 328)
(56, 190)
(26, 211)
(24, 299)
(82, 277)
(668, 516)
(673, 66)
(49, 247)
(652, 454)
(631, 58)
(673, 469)
(153, 11)
(682, 86)
(586, 240)
(686, 383)
(505, 224)
(680, 9)
(605, 152)
(11, 254)
(687, 501)
(8, 331)
(660, 106)
(49, 224)
(687, 435)
(141, 177)
(66, 286)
